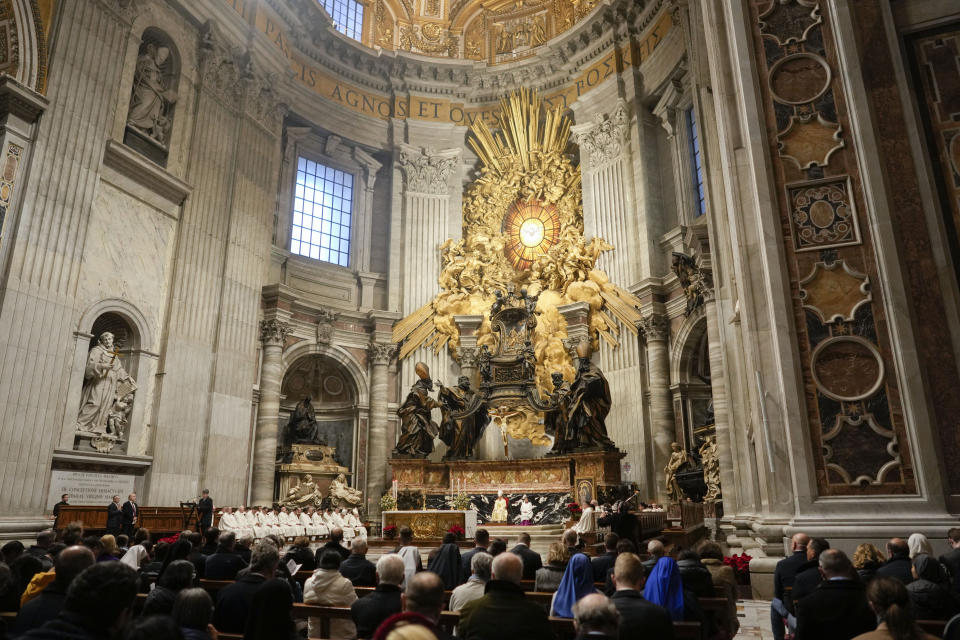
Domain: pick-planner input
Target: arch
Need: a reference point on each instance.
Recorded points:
(685, 344)
(26, 25)
(343, 357)
(143, 335)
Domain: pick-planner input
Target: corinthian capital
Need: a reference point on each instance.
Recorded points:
(273, 331)
(655, 326)
(427, 171)
(603, 139)
(382, 352)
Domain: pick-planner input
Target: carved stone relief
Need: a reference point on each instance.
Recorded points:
(787, 21)
(427, 171)
(822, 214)
(604, 141)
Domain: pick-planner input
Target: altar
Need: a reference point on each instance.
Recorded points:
(430, 523)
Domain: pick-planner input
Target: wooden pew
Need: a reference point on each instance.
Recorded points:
(933, 627)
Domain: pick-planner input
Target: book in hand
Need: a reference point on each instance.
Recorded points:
(293, 567)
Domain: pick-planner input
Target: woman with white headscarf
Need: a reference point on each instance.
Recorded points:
(135, 556)
(918, 543)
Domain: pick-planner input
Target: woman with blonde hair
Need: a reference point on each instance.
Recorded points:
(866, 560)
(548, 577)
(889, 600)
(110, 549)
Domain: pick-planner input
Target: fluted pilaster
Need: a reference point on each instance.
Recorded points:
(656, 332)
(379, 449)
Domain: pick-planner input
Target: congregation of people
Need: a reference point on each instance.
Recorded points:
(71, 585)
(820, 593)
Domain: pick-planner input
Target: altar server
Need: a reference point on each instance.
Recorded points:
(588, 523)
(317, 518)
(526, 512)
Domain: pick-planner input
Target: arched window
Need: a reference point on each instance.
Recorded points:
(347, 16)
(153, 96)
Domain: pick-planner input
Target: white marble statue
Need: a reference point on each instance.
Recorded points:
(102, 378)
(342, 495)
(151, 99)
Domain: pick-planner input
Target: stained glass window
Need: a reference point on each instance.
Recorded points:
(347, 16)
(322, 209)
(531, 228)
(696, 159)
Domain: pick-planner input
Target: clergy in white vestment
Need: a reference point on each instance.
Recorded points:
(262, 517)
(526, 512)
(306, 523)
(273, 523)
(341, 519)
(410, 555)
(357, 524)
(317, 518)
(249, 521)
(228, 521)
(329, 520)
(588, 523)
(290, 523)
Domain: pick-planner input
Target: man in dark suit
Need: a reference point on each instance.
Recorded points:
(809, 575)
(504, 611)
(605, 560)
(69, 564)
(372, 609)
(951, 559)
(356, 568)
(481, 539)
(130, 515)
(531, 559)
(225, 563)
(636, 612)
(838, 608)
(783, 576)
(56, 510)
(114, 517)
(234, 601)
(898, 564)
(205, 510)
(336, 537)
(596, 618)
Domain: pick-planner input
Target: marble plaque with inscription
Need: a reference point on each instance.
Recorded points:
(88, 488)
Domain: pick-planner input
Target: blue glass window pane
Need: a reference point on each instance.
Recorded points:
(696, 163)
(321, 213)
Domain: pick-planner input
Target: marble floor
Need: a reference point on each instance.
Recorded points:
(754, 618)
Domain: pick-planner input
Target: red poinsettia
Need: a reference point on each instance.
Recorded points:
(389, 531)
(740, 563)
(171, 539)
(574, 509)
(457, 530)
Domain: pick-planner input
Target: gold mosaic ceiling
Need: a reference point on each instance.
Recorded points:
(494, 31)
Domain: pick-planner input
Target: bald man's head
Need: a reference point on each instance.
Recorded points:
(799, 541)
(424, 594)
(509, 567)
(71, 562)
(656, 548)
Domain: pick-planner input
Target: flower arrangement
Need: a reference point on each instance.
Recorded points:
(390, 532)
(458, 531)
(460, 501)
(574, 509)
(741, 566)
(387, 503)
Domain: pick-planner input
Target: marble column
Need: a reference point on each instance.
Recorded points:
(378, 449)
(272, 334)
(721, 416)
(656, 332)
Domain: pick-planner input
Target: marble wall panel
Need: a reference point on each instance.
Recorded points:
(849, 375)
